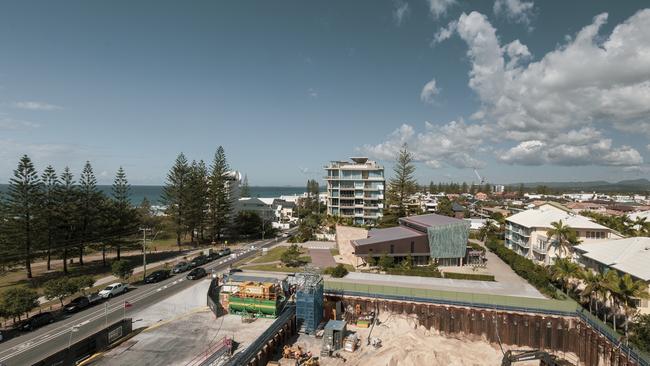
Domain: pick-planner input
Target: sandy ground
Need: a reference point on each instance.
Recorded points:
(405, 344)
(343, 236)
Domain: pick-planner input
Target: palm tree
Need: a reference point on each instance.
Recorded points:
(564, 270)
(626, 226)
(593, 286)
(641, 226)
(630, 290)
(488, 229)
(611, 283)
(561, 233)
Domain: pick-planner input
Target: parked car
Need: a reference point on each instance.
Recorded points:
(37, 321)
(77, 304)
(181, 267)
(157, 276)
(196, 273)
(224, 252)
(213, 256)
(199, 260)
(113, 290)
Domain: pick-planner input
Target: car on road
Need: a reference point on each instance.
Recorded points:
(224, 252)
(212, 256)
(157, 276)
(181, 267)
(196, 273)
(37, 321)
(113, 289)
(77, 304)
(199, 260)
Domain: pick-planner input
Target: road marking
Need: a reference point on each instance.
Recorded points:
(110, 307)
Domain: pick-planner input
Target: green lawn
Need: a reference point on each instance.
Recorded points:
(334, 251)
(275, 254)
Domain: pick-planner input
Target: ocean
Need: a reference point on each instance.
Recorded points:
(154, 193)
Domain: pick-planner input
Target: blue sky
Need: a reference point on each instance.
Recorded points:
(521, 90)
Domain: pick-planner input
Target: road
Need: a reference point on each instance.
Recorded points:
(39, 344)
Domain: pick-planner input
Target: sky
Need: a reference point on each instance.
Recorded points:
(521, 91)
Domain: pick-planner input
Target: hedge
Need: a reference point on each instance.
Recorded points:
(469, 276)
(535, 274)
(422, 272)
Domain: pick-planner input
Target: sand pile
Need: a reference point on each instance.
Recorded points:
(404, 344)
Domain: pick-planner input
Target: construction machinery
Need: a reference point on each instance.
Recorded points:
(257, 299)
(296, 353)
(351, 342)
(545, 358)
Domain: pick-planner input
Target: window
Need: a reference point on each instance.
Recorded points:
(392, 249)
(412, 247)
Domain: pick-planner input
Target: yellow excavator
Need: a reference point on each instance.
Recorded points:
(545, 358)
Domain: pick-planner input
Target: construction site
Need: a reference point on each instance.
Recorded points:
(321, 322)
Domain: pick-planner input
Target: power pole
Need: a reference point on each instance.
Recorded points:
(144, 251)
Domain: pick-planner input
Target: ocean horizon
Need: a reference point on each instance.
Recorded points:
(153, 193)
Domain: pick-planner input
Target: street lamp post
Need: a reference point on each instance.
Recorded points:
(144, 249)
(72, 330)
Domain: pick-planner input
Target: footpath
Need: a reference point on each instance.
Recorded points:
(138, 270)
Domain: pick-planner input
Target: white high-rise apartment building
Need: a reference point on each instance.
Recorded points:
(356, 190)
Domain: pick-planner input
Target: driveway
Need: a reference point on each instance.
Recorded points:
(322, 258)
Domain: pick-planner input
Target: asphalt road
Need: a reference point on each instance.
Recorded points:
(34, 346)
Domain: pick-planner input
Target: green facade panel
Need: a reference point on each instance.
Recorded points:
(448, 241)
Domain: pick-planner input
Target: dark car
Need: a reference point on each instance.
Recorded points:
(37, 321)
(157, 276)
(198, 261)
(181, 267)
(77, 304)
(212, 256)
(196, 273)
(224, 252)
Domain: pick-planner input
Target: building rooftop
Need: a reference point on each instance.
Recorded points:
(629, 255)
(391, 233)
(545, 214)
(431, 220)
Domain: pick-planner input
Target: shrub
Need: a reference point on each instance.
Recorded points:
(18, 301)
(60, 288)
(83, 283)
(337, 272)
(385, 262)
(122, 269)
(469, 276)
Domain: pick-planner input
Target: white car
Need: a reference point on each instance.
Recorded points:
(113, 289)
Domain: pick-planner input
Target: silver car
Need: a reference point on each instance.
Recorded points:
(181, 267)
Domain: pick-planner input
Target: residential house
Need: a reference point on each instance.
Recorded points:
(527, 231)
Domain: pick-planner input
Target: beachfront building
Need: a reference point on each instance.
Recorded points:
(422, 237)
(526, 232)
(355, 190)
(257, 205)
(628, 255)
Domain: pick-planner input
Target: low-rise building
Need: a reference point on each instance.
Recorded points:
(422, 237)
(628, 255)
(256, 205)
(527, 231)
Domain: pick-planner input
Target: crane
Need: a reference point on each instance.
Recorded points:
(480, 179)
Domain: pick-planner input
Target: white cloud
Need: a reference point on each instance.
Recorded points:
(453, 144)
(429, 91)
(401, 11)
(439, 8)
(36, 106)
(557, 109)
(515, 10)
(444, 33)
(312, 93)
(648, 147)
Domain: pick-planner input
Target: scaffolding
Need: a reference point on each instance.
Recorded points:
(309, 301)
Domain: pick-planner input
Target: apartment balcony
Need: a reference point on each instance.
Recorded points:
(346, 188)
(539, 249)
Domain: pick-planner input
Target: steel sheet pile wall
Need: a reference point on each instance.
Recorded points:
(552, 333)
